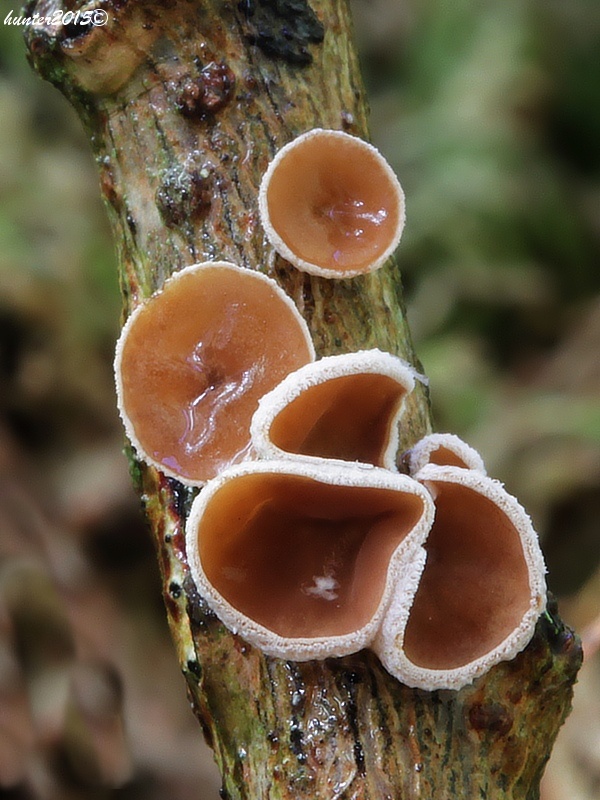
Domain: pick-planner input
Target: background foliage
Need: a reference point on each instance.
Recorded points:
(489, 111)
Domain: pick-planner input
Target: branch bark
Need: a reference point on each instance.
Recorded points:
(185, 103)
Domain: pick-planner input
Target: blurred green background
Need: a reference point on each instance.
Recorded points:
(489, 112)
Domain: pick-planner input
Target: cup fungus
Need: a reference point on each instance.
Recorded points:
(343, 407)
(193, 361)
(300, 558)
(331, 205)
(444, 449)
(481, 591)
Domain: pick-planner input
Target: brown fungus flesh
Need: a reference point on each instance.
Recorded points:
(300, 559)
(474, 590)
(481, 590)
(193, 361)
(343, 407)
(331, 205)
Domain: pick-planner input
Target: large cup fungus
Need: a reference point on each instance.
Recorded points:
(481, 590)
(301, 558)
(193, 361)
(331, 205)
(343, 407)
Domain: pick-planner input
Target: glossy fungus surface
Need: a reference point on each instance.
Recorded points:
(331, 205)
(481, 590)
(193, 361)
(324, 422)
(342, 407)
(300, 552)
(474, 590)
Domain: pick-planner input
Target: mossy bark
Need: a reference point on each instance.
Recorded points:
(185, 103)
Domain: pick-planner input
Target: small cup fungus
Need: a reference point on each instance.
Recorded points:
(481, 591)
(301, 558)
(331, 205)
(343, 407)
(444, 449)
(193, 361)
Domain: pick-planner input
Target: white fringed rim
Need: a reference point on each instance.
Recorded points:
(430, 450)
(246, 274)
(304, 649)
(375, 362)
(284, 249)
(389, 644)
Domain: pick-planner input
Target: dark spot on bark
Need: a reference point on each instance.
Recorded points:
(181, 498)
(562, 640)
(184, 195)
(74, 30)
(490, 717)
(198, 610)
(205, 93)
(359, 757)
(452, 783)
(189, 96)
(194, 667)
(175, 590)
(273, 739)
(131, 224)
(354, 677)
(282, 28)
(218, 81)
(348, 682)
(296, 739)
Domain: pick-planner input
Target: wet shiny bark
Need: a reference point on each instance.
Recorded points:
(185, 103)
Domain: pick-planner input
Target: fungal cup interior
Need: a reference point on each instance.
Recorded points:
(302, 557)
(333, 203)
(474, 590)
(195, 359)
(347, 418)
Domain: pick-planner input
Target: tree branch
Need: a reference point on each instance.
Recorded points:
(185, 103)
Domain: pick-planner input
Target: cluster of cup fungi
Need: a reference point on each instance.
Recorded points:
(307, 539)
